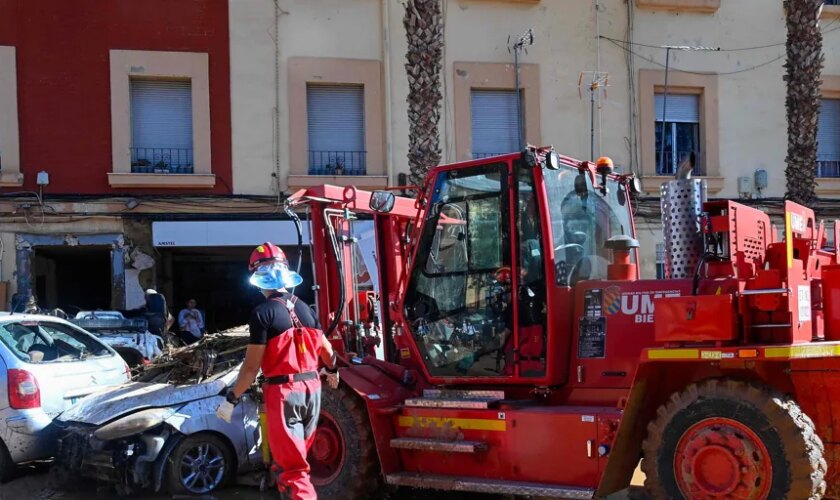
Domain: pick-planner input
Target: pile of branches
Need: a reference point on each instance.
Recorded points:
(213, 355)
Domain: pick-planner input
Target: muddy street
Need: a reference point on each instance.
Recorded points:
(37, 483)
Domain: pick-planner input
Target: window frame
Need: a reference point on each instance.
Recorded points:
(10, 174)
(494, 76)
(830, 89)
(706, 6)
(133, 114)
(652, 82)
(360, 160)
(836, 140)
(333, 71)
(126, 64)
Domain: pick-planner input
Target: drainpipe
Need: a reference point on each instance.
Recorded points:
(277, 12)
(386, 65)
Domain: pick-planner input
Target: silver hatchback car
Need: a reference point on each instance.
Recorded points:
(46, 365)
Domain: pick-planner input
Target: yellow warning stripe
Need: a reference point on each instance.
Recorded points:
(789, 352)
(802, 351)
(474, 424)
(673, 354)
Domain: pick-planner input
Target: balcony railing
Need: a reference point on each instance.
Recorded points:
(668, 166)
(161, 160)
(479, 156)
(828, 166)
(337, 162)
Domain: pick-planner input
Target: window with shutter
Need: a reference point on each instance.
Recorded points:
(161, 126)
(495, 124)
(336, 115)
(828, 139)
(682, 131)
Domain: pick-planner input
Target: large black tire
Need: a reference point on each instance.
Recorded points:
(193, 446)
(7, 467)
(352, 471)
(732, 437)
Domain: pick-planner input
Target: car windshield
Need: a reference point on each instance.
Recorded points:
(44, 342)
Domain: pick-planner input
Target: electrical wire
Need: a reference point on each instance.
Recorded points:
(825, 31)
(674, 68)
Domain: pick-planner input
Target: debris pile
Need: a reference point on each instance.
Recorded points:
(213, 355)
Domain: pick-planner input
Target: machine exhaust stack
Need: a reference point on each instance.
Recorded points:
(682, 203)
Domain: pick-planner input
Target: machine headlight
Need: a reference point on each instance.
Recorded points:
(134, 423)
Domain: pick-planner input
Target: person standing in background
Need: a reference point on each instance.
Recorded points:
(191, 323)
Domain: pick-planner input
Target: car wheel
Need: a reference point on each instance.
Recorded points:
(198, 465)
(7, 467)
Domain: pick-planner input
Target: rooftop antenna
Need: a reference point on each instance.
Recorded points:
(598, 80)
(520, 44)
(668, 49)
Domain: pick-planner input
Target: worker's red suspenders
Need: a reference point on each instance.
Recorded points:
(306, 366)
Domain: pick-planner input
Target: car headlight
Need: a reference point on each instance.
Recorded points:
(134, 423)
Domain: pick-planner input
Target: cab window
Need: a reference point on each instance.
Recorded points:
(581, 223)
(459, 295)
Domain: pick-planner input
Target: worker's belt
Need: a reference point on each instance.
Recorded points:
(295, 377)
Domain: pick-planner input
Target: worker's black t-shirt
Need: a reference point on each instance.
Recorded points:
(271, 318)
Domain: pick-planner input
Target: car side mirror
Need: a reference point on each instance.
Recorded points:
(382, 201)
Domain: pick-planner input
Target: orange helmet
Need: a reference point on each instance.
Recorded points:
(265, 254)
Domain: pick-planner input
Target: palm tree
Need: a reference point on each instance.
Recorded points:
(803, 67)
(423, 23)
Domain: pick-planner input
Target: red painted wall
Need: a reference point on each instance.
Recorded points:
(63, 80)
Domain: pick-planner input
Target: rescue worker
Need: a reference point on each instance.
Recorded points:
(286, 344)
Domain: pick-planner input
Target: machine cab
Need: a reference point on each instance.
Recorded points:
(503, 242)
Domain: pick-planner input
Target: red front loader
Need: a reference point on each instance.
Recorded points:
(497, 339)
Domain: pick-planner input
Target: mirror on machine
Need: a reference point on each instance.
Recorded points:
(382, 201)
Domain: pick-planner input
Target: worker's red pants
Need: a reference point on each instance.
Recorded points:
(292, 416)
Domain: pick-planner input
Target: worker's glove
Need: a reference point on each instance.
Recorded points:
(331, 377)
(225, 409)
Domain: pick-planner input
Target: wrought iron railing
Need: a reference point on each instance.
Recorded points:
(161, 160)
(828, 166)
(479, 156)
(668, 167)
(337, 162)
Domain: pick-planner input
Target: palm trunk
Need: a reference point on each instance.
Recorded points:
(423, 23)
(803, 68)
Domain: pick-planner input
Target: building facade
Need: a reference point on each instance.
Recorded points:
(154, 120)
(115, 118)
(318, 84)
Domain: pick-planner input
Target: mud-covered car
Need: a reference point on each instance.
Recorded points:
(128, 336)
(46, 366)
(158, 436)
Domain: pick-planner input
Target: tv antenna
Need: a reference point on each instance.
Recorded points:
(596, 82)
(521, 43)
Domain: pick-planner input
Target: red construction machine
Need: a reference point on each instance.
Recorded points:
(498, 339)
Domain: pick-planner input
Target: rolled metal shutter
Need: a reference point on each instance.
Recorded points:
(828, 133)
(828, 139)
(680, 108)
(161, 124)
(495, 124)
(336, 115)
